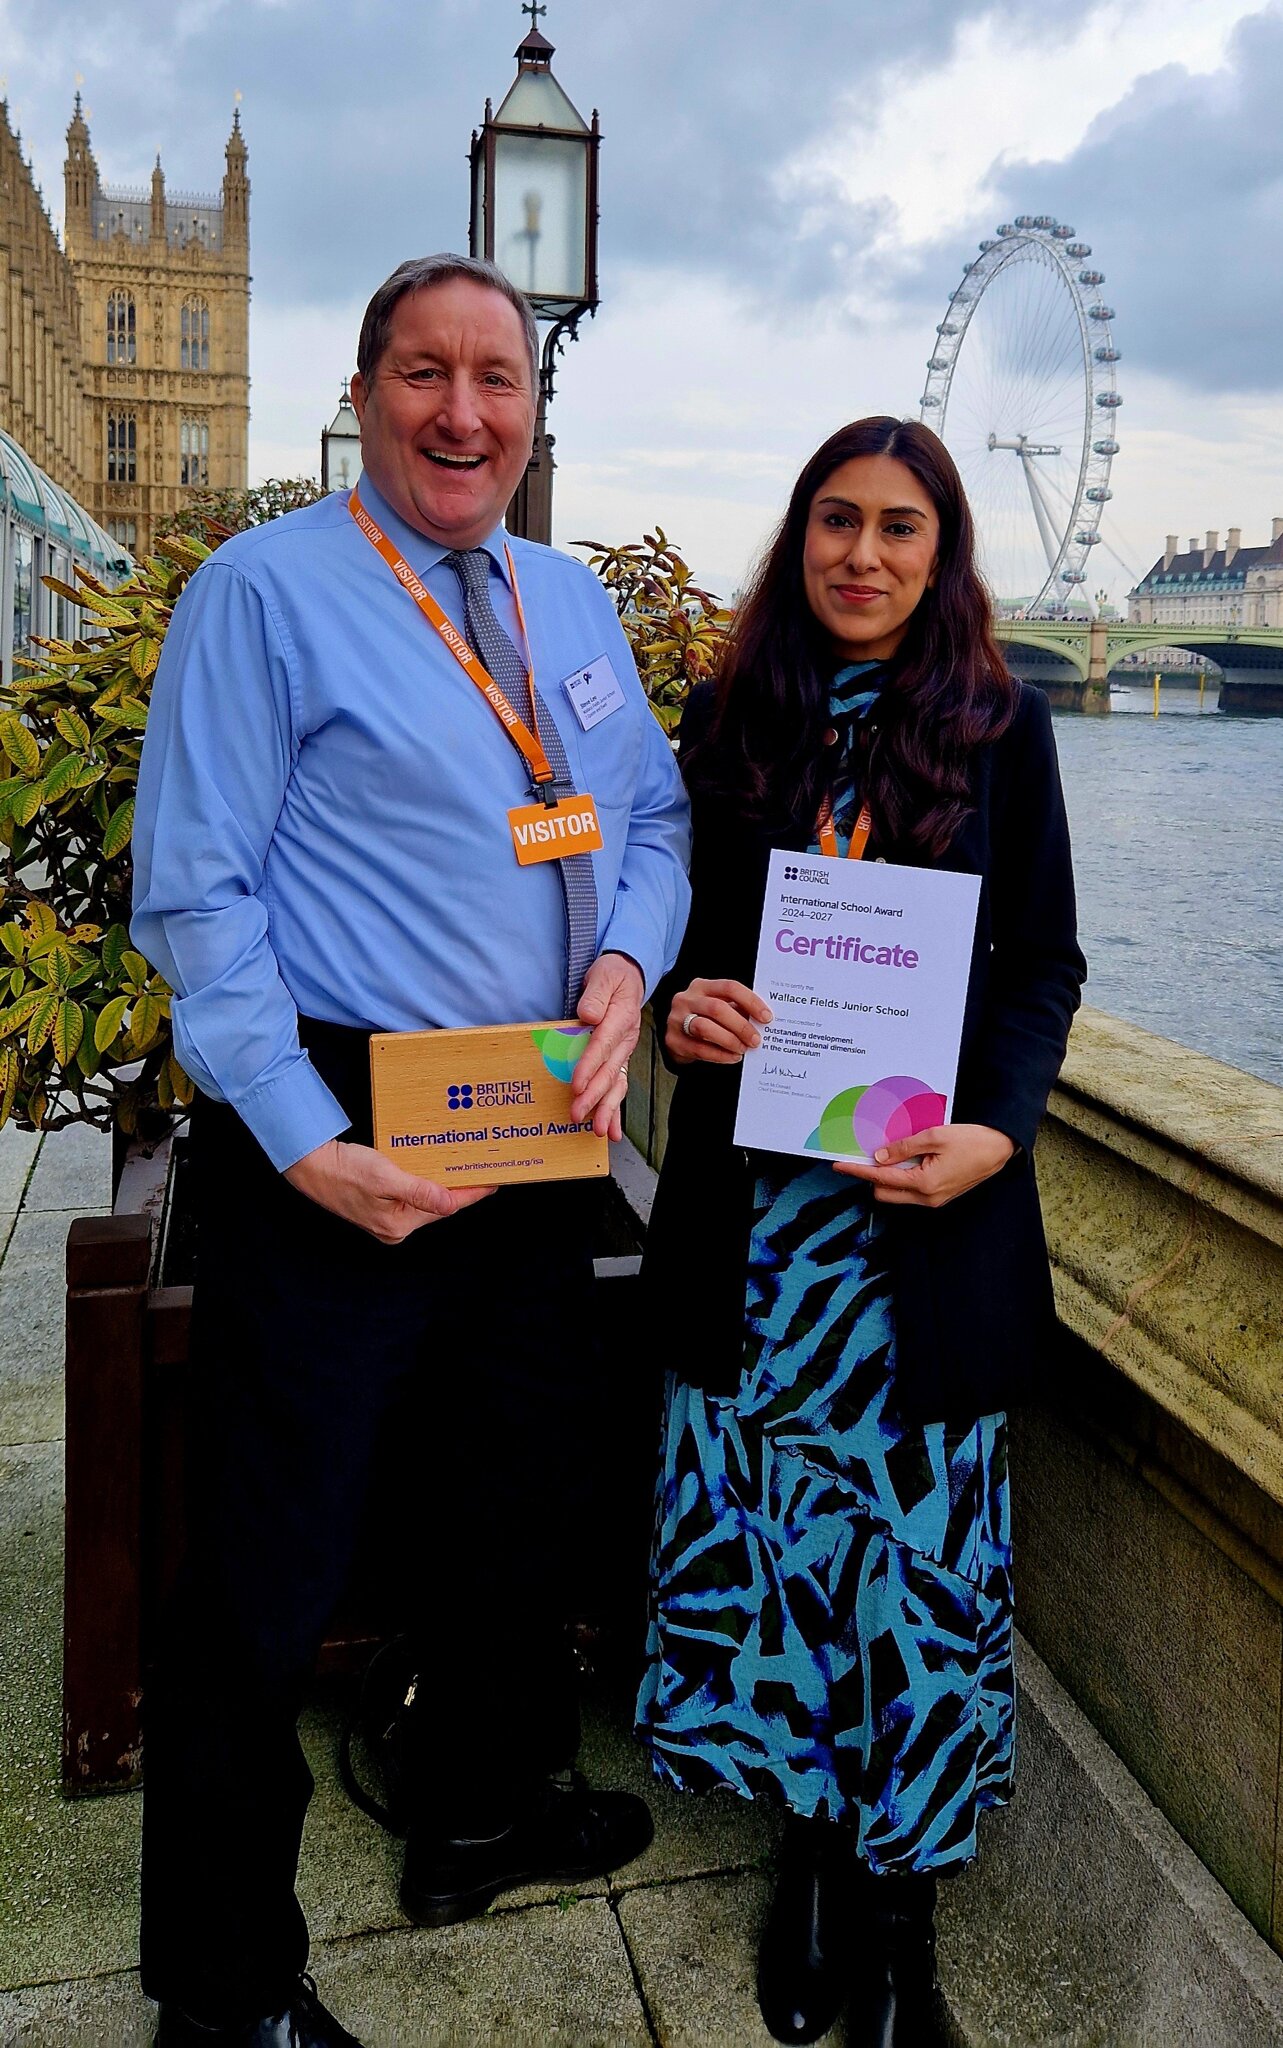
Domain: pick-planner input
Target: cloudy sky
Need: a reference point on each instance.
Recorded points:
(789, 192)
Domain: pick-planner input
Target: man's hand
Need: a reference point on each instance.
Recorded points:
(714, 1021)
(359, 1184)
(612, 1003)
(947, 1161)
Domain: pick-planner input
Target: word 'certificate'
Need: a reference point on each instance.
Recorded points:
(865, 970)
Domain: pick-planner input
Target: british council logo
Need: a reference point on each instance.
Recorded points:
(460, 1097)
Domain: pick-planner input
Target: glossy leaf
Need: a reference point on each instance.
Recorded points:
(110, 1019)
(68, 1030)
(113, 948)
(19, 743)
(41, 1021)
(72, 728)
(119, 829)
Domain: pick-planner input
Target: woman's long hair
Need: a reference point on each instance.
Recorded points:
(949, 689)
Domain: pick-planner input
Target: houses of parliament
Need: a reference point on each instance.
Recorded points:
(124, 349)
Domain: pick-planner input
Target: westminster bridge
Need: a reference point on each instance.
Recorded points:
(1072, 659)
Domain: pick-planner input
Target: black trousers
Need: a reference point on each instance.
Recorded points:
(307, 1337)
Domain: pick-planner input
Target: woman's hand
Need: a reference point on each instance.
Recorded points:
(716, 1022)
(946, 1162)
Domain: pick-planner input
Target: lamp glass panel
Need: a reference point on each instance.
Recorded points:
(540, 208)
(344, 462)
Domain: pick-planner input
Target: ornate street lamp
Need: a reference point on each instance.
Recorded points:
(534, 213)
(341, 447)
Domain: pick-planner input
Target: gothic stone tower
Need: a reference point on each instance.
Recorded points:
(164, 330)
(41, 401)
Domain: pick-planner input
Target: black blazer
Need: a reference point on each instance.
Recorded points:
(971, 1283)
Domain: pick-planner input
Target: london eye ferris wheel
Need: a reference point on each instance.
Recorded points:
(1021, 388)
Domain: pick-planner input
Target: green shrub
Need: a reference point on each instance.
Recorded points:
(675, 628)
(80, 1006)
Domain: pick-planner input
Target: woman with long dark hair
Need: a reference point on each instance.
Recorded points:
(831, 1619)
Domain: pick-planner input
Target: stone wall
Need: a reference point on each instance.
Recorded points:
(1149, 1485)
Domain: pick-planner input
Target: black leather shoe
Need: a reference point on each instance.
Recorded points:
(568, 1833)
(896, 2001)
(803, 1961)
(303, 2024)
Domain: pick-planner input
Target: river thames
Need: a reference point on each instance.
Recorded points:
(1178, 851)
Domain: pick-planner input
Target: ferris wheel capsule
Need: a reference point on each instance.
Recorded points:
(1109, 400)
(1080, 251)
(929, 398)
(1104, 447)
(1073, 575)
(1007, 228)
(1100, 312)
(1024, 220)
(1099, 494)
(946, 327)
(1044, 221)
(1062, 233)
(1087, 536)
(1091, 277)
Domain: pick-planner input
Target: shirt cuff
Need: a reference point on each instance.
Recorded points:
(625, 935)
(292, 1114)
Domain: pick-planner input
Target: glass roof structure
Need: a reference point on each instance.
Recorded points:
(53, 514)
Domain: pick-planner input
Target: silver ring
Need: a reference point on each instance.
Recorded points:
(687, 1021)
(624, 1072)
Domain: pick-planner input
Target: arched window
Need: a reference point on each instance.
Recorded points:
(193, 446)
(194, 343)
(122, 448)
(122, 336)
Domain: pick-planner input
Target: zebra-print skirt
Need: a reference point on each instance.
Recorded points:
(831, 1589)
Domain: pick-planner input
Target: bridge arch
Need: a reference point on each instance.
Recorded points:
(1072, 659)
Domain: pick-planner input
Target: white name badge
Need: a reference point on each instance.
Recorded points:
(594, 692)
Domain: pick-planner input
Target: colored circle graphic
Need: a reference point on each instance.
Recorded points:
(861, 1120)
(559, 1047)
(893, 1109)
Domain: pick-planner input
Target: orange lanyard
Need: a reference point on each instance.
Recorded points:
(525, 738)
(828, 837)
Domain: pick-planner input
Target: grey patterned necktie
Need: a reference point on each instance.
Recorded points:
(472, 567)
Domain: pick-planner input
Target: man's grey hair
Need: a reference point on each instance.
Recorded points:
(416, 276)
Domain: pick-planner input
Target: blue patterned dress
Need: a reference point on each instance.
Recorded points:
(831, 1587)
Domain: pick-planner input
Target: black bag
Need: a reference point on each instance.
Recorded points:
(377, 1734)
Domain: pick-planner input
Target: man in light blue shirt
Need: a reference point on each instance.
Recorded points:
(322, 849)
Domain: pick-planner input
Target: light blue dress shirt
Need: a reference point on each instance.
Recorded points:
(321, 825)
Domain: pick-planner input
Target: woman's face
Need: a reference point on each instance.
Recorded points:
(869, 554)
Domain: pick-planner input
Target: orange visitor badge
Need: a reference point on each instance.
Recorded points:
(547, 831)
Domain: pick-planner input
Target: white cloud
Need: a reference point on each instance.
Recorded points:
(928, 160)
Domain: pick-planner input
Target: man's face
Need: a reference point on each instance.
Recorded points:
(448, 415)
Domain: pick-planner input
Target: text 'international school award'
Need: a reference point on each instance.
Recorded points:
(483, 1107)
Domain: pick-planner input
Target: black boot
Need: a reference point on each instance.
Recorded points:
(565, 1834)
(895, 1996)
(803, 1962)
(303, 2023)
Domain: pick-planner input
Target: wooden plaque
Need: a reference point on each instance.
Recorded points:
(483, 1107)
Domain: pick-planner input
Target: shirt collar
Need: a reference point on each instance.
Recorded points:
(421, 553)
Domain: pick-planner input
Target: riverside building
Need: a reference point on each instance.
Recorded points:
(1211, 585)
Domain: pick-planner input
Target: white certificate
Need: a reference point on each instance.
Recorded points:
(865, 967)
